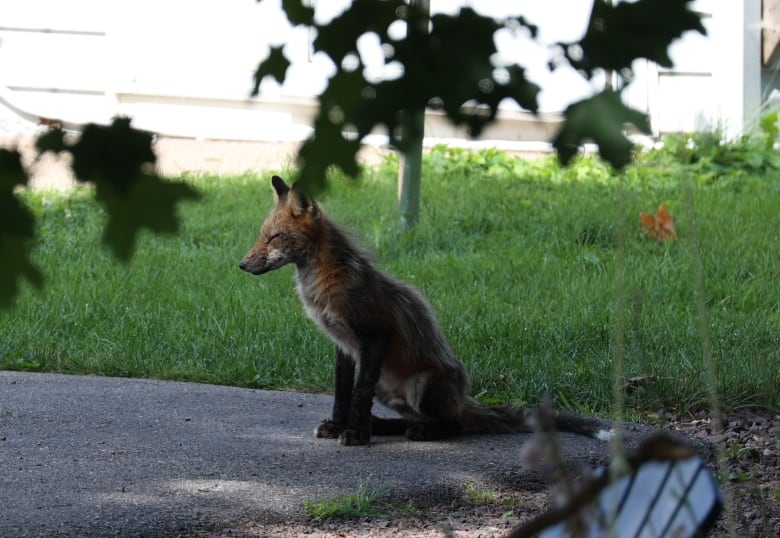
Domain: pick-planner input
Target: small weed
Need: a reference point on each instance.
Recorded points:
(21, 365)
(408, 509)
(478, 495)
(361, 503)
(733, 451)
(739, 477)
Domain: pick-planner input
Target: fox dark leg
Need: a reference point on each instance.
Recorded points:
(342, 398)
(358, 431)
(441, 407)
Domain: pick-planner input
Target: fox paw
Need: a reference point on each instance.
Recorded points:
(351, 437)
(431, 432)
(418, 432)
(329, 429)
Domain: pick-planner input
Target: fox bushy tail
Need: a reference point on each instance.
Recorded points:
(478, 418)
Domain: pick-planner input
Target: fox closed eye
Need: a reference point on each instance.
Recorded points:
(275, 236)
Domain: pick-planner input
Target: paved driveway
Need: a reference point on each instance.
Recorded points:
(95, 456)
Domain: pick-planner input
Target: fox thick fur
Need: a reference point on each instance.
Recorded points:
(383, 327)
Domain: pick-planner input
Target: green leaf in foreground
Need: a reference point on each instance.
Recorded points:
(119, 161)
(53, 140)
(11, 171)
(275, 65)
(149, 202)
(621, 33)
(297, 12)
(338, 38)
(114, 154)
(17, 227)
(601, 119)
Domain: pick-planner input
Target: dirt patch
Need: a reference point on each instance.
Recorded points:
(751, 446)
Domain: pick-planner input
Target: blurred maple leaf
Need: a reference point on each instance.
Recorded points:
(619, 33)
(119, 161)
(17, 229)
(274, 66)
(659, 226)
(601, 118)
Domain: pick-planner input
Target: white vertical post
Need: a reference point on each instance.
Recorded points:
(737, 66)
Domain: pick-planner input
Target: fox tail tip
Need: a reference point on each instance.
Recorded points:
(605, 435)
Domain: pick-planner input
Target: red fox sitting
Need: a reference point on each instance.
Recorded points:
(384, 327)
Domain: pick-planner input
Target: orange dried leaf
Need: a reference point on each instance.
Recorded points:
(659, 226)
(648, 221)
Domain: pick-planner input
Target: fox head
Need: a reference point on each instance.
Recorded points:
(287, 232)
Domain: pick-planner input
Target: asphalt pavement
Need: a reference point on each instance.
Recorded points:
(95, 456)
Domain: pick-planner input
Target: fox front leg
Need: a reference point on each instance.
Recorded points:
(342, 398)
(358, 432)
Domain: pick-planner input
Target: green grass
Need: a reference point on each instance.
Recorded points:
(517, 257)
(362, 503)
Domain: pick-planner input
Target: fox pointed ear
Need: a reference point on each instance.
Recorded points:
(303, 203)
(279, 186)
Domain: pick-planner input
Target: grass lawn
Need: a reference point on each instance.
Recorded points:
(519, 258)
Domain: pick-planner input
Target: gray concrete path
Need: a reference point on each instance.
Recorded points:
(94, 456)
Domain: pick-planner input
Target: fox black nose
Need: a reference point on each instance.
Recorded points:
(242, 265)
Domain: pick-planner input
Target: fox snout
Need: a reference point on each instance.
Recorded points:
(259, 261)
(257, 265)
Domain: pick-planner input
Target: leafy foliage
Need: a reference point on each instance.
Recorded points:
(618, 34)
(710, 157)
(601, 119)
(443, 70)
(119, 161)
(433, 66)
(16, 230)
(275, 65)
(297, 12)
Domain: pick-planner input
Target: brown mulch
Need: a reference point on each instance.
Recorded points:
(750, 461)
(750, 447)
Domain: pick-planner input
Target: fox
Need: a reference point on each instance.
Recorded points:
(384, 329)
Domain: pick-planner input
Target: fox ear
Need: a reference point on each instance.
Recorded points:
(279, 186)
(303, 203)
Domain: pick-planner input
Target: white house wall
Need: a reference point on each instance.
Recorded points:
(738, 75)
(684, 98)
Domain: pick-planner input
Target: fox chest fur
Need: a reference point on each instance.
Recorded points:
(322, 304)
